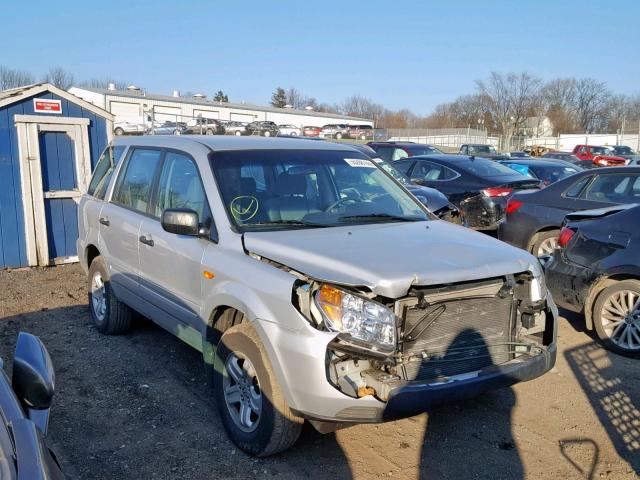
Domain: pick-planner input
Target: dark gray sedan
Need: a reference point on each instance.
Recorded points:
(533, 218)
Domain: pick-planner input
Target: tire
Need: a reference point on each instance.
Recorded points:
(622, 296)
(267, 133)
(118, 131)
(110, 316)
(275, 428)
(339, 136)
(237, 133)
(542, 241)
(294, 134)
(209, 131)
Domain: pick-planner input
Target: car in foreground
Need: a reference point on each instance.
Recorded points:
(392, 151)
(479, 187)
(262, 128)
(25, 403)
(482, 150)
(290, 130)
(627, 153)
(547, 171)
(533, 219)
(598, 155)
(204, 126)
(315, 286)
(310, 131)
(128, 128)
(169, 128)
(567, 157)
(596, 271)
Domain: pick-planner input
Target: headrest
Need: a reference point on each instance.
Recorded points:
(288, 184)
(247, 185)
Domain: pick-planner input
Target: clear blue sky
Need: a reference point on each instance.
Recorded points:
(402, 54)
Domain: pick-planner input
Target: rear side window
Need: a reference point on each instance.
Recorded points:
(134, 186)
(104, 171)
(577, 187)
(611, 188)
(180, 186)
(432, 171)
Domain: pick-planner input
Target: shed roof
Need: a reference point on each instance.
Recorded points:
(13, 95)
(195, 101)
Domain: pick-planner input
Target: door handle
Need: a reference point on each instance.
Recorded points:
(104, 221)
(146, 241)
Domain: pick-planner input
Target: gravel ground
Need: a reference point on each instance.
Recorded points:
(137, 406)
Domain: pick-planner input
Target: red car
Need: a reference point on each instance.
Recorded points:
(600, 156)
(311, 131)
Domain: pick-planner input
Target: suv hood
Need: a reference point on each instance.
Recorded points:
(390, 258)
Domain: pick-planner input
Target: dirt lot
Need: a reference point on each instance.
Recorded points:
(137, 406)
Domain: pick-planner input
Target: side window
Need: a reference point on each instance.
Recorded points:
(577, 187)
(134, 186)
(403, 165)
(610, 188)
(432, 171)
(399, 154)
(180, 186)
(583, 151)
(104, 171)
(385, 153)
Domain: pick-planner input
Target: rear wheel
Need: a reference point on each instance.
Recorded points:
(249, 399)
(209, 131)
(544, 244)
(118, 131)
(338, 135)
(109, 314)
(616, 318)
(267, 133)
(237, 133)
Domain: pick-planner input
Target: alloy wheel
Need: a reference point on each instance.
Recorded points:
(547, 247)
(242, 392)
(98, 297)
(621, 319)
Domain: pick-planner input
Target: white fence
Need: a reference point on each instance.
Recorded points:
(567, 141)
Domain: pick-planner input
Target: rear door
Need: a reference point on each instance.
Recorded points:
(120, 220)
(170, 264)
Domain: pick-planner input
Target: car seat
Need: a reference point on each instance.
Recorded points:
(291, 201)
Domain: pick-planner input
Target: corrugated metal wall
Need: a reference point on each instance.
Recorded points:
(12, 233)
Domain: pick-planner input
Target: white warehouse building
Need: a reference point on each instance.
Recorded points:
(137, 106)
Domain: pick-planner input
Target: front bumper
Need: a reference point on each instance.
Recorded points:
(414, 398)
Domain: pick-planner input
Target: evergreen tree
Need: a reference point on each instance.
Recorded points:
(220, 97)
(279, 98)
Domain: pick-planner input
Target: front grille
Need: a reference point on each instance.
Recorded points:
(456, 335)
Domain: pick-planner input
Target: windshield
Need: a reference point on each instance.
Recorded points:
(287, 189)
(551, 174)
(476, 149)
(485, 168)
(624, 150)
(601, 151)
(393, 171)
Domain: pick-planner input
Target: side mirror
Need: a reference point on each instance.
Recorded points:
(33, 378)
(181, 221)
(417, 180)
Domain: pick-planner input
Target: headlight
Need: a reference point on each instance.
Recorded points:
(361, 322)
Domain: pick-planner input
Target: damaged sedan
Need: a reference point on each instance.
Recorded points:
(316, 286)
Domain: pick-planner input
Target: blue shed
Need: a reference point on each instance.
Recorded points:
(50, 140)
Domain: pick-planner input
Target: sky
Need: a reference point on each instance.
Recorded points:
(402, 54)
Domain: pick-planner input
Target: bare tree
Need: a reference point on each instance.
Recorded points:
(104, 83)
(59, 77)
(509, 99)
(590, 103)
(10, 78)
(359, 106)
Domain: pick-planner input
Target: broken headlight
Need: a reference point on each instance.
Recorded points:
(362, 323)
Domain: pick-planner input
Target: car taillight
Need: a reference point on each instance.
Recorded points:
(513, 205)
(497, 191)
(565, 235)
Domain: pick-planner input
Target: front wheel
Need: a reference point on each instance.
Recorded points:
(267, 133)
(339, 136)
(251, 404)
(237, 133)
(616, 318)
(118, 131)
(109, 314)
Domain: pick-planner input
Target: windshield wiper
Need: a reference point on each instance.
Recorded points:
(381, 216)
(286, 222)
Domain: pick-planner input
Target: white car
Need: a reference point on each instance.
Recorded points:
(289, 130)
(128, 128)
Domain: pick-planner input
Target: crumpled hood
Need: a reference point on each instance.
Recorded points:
(390, 258)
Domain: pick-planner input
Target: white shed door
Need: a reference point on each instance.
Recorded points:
(167, 114)
(126, 112)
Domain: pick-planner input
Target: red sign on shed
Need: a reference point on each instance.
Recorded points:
(47, 106)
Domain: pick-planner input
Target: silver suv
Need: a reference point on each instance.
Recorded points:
(316, 286)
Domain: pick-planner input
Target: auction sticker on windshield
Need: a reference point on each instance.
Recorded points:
(360, 163)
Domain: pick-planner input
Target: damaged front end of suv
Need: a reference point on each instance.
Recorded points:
(436, 344)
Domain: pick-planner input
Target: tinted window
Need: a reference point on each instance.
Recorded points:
(612, 188)
(398, 154)
(104, 170)
(384, 153)
(135, 186)
(403, 165)
(432, 171)
(550, 175)
(577, 187)
(486, 168)
(423, 150)
(180, 185)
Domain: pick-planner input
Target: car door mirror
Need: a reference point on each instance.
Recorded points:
(417, 180)
(33, 378)
(181, 221)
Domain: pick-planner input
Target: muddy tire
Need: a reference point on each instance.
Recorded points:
(543, 243)
(251, 404)
(109, 314)
(616, 321)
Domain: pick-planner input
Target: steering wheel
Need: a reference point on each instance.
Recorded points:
(335, 205)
